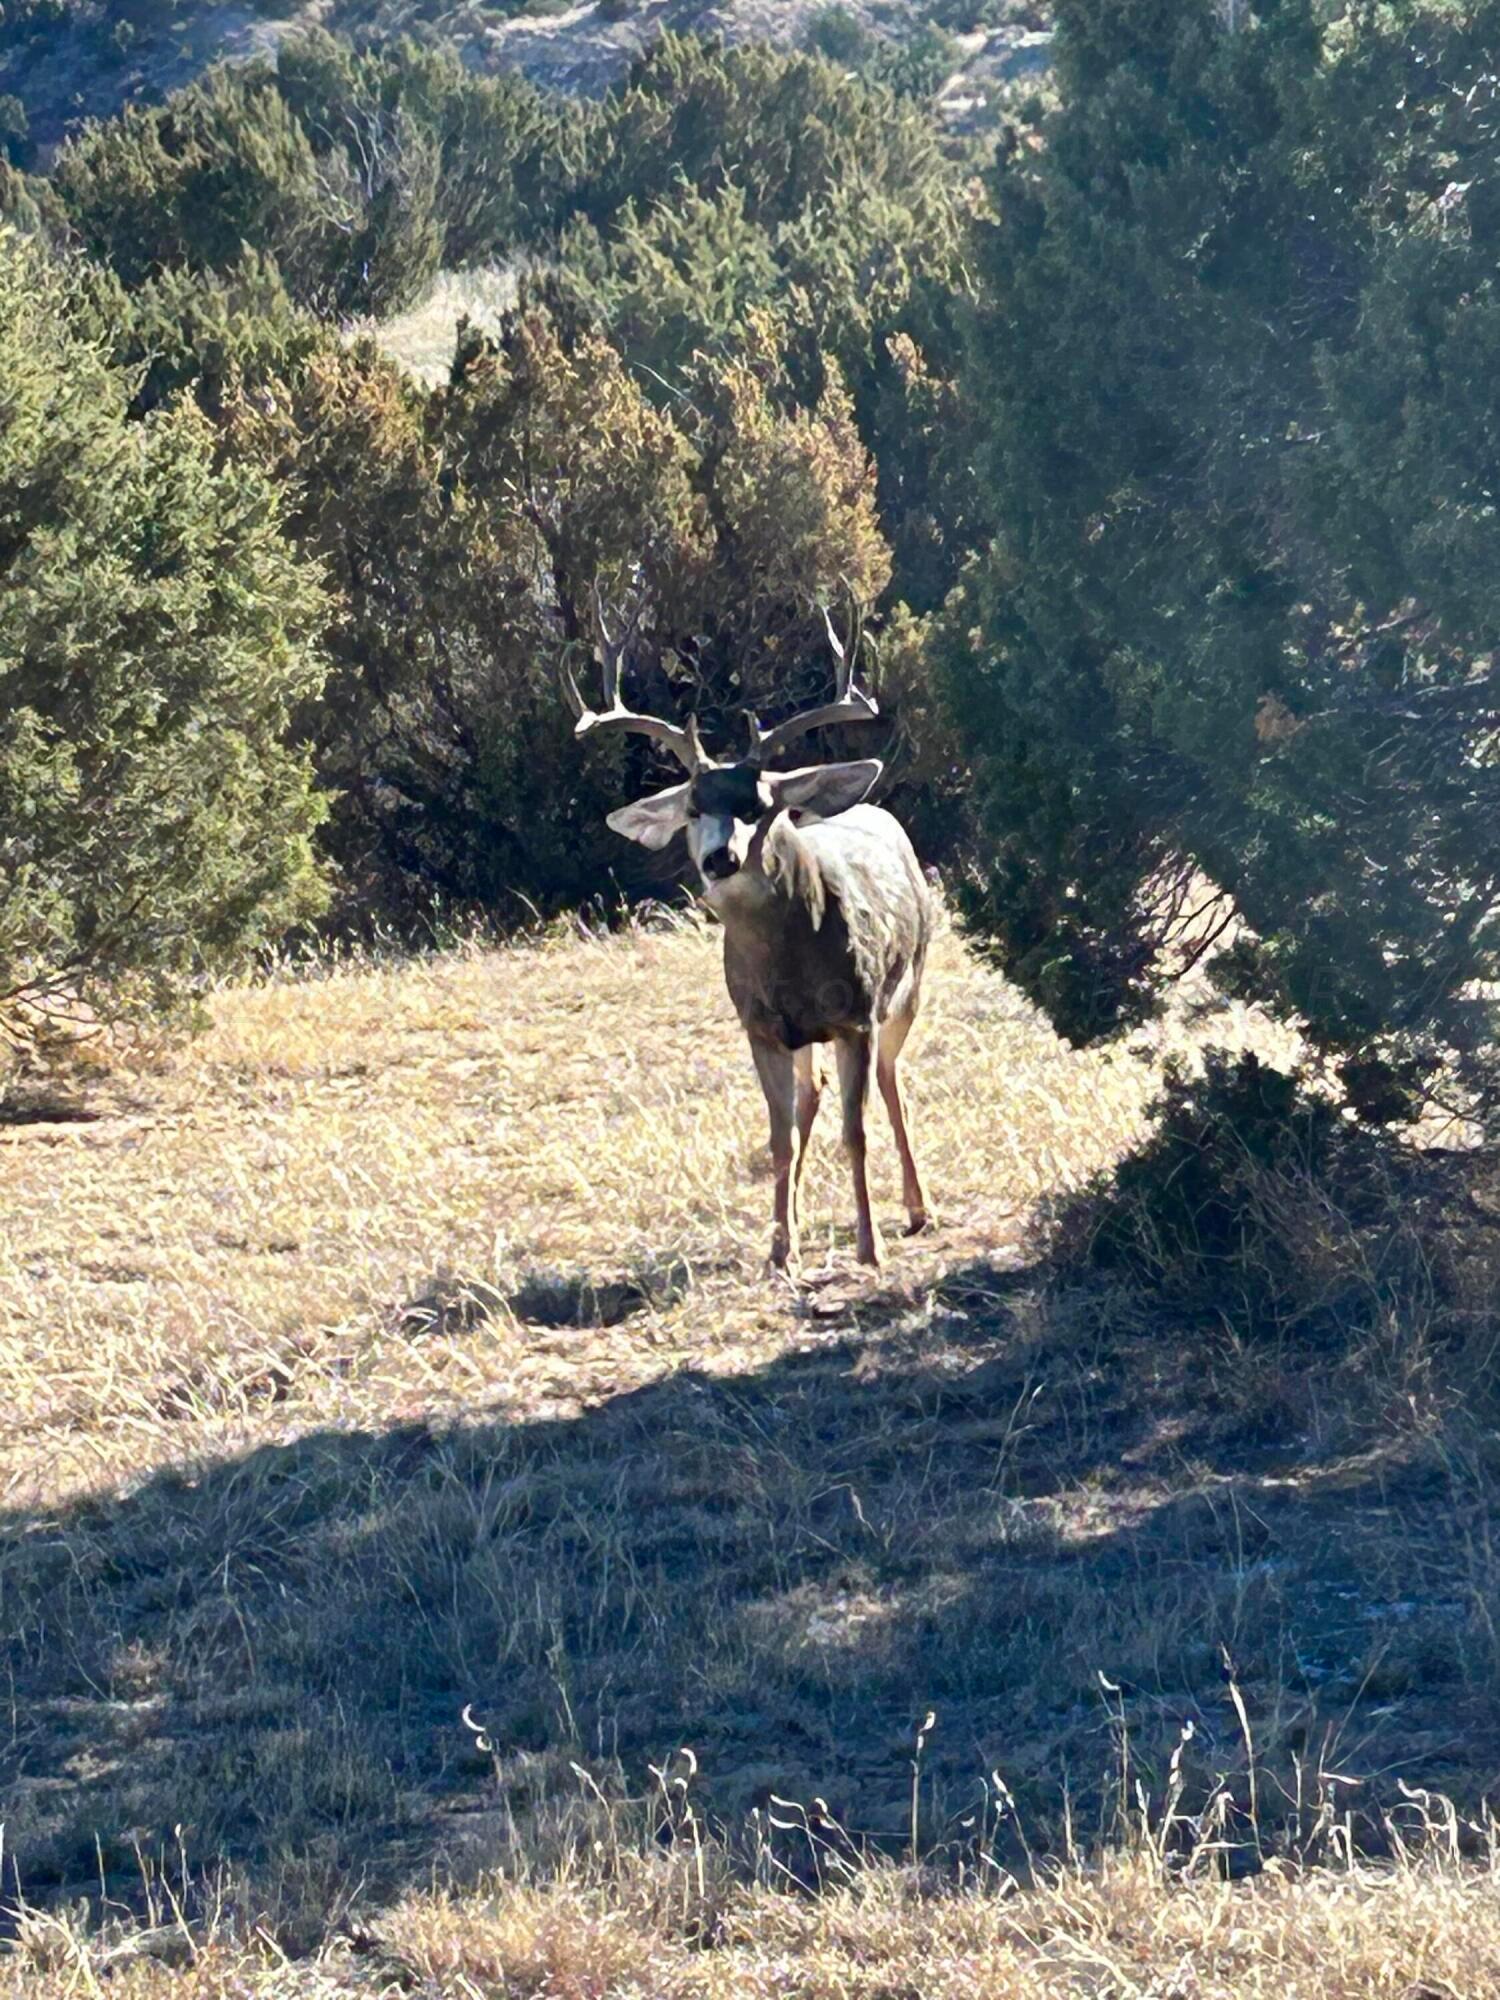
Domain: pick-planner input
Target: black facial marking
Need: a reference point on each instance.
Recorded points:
(729, 791)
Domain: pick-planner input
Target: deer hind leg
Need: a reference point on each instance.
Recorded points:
(778, 1081)
(854, 1057)
(893, 1034)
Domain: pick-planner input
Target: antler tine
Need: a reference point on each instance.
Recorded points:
(851, 703)
(837, 644)
(683, 743)
(607, 652)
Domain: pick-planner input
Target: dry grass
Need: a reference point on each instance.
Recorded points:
(1429, 1931)
(334, 1199)
(401, 1346)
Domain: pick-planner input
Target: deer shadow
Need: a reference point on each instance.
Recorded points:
(545, 1297)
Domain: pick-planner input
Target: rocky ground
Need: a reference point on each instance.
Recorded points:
(584, 49)
(85, 69)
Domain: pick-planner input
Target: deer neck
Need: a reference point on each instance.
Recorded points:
(780, 884)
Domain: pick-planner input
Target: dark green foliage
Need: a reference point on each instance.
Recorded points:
(23, 198)
(679, 277)
(841, 37)
(15, 128)
(710, 455)
(1181, 1204)
(499, 148)
(156, 635)
(225, 335)
(913, 64)
(921, 63)
(713, 182)
(737, 505)
(225, 164)
(1237, 371)
(790, 130)
(359, 174)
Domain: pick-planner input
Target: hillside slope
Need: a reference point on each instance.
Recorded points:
(406, 1453)
(84, 62)
(586, 47)
(80, 66)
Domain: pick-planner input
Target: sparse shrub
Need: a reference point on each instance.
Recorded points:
(840, 37)
(913, 64)
(191, 182)
(790, 129)
(1262, 1206)
(678, 277)
(457, 166)
(920, 63)
(224, 336)
(14, 127)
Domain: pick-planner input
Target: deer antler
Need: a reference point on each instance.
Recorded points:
(851, 704)
(610, 653)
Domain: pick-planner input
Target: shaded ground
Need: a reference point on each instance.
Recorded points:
(977, 1505)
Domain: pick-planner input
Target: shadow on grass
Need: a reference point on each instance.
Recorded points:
(977, 1508)
(44, 1107)
(548, 1298)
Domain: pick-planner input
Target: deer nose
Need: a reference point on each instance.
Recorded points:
(719, 865)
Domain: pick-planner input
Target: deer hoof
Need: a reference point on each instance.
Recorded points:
(871, 1251)
(920, 1223)
(783, 1261)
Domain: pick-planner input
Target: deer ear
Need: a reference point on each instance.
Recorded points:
(652, 821)
(825, 789)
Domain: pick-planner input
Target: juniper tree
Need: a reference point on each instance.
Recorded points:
(1236, 367)
(156, 634)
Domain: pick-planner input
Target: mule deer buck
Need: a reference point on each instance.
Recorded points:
(826, 917)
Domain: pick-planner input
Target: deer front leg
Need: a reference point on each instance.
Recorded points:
(854, 1056)
(778, 1079)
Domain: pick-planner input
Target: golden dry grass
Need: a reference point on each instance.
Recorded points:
(270, 1211)
(401, 1346)
(1429, 1931)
